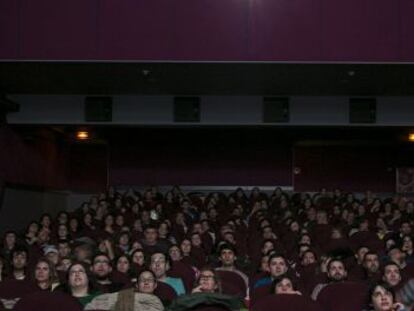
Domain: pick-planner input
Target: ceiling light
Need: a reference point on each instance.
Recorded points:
(82, 135)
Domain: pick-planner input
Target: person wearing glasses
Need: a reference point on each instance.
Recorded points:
(207, 282)
(102, 269)
(139, 297)
(207, 292)
(79, 283)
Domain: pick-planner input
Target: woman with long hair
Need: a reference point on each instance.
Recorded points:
(45, 275)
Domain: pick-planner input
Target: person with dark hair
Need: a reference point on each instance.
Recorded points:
(336, 272)
(207, 294)
(19, 262)
(396, 255)
(146, 282)
(208, 281)
(83, 251)
(9, 243)
(151, 243)
(137, 260)
(371, 266)
(408, 248)
(139, 297)
(381, 297)
(284, 285)
(160, 264)
(391, 274)
(277, 266)
(64, 249)
(45, 275)
(180, 269)
(123, 264)
(30, 235)
(79, 283)
(227, 257)
(101, 269)
(186, 247)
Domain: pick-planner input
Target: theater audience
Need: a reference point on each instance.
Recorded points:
(259, 245)
(138, 297)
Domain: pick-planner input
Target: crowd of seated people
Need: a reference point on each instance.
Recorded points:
(125, 251)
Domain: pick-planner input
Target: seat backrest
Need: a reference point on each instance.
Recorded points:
(286, 302)
(44, 300)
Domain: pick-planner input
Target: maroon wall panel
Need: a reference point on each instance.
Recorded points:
(135, 29)
(286, 29)
(199, 157)
(211, 30)
(233, 30)
(360, 30)
(39, 161)
(88, 167)
(351, 168)
(143, 167)
(205, 29)
(407, 29)
(58, 30)
(9, 29)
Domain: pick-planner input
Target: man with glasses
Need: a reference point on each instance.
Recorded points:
(101, 269)
(139, 297)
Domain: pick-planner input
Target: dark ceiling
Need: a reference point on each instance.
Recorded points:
(206, 78)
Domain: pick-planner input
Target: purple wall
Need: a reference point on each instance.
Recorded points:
(283, 30)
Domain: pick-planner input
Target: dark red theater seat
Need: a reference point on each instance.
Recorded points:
(185, 272)
(44, 300)
(343, 296)
(12, 290)
(232, 283)
(287, 302)
(165, 292)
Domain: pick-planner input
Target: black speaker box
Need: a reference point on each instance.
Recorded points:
(187, 109)
(98, 109)
(276, 109)
(362, 110)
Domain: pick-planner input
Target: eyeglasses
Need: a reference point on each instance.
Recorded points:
(73, 272)
(101, 261)
(148, 280)
(206, 277)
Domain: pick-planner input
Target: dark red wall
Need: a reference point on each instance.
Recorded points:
(37, 160)
(197, 157)
(200, 157)
(88, 168)
(294, 30)
(352, 168)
